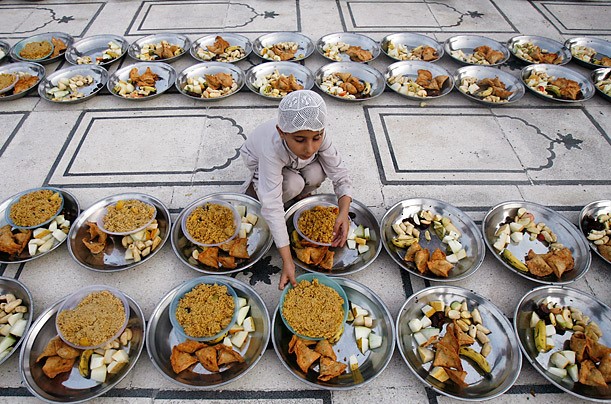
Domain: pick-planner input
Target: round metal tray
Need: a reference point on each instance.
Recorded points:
(590, 306)
(544, 43)
(594, 209)
(345, 261)
(302, 74)
(10, 285)
(173, 39)
(467, 43)
(113, 257)
(505, 358)
(66, 38)
(70, 211)
(601, 46)
(371, 365)
(233, 39)
(31, 68)
(471, 238)
(351, 39)
(512, 83)
(566, 231)
(71, 387)
(587, 88)
(167, 77)
(95, 46)
(599, 75)
(305, 45)
(411, 41)
(99, 74)
(410, 69)
(259, 239)
(201, 69)
(359, 70)
(161, 337)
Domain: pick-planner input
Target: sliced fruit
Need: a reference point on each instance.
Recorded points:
(425, 354)
(375, 341)
(476, 357)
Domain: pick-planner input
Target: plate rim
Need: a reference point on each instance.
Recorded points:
(518, 82)
(502, 47)
(546, 67)
(582, 216)
(308, 51)
(318, 76)
(143, 64)
(123, 43)
(17, 346)
(229, 66)
(62, 35)
(98, 68)
(131, 48)
(418, 62)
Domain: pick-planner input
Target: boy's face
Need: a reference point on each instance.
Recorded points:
(303, 143)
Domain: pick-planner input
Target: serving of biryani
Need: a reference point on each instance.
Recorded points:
(211, 224)
(314, 310)
(317, 223)
(35, 208)
(127, 215)
(205, 310)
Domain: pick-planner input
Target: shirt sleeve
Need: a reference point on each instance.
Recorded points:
(334, 167)
(270, 194)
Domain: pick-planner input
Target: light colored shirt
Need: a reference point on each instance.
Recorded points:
(266, 154)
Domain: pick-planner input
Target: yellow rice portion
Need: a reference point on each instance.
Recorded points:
(211, 224)
(127, 215)
(35, 208)
(205, 310)
(317, 223)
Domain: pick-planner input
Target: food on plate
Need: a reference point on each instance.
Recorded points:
(205, 310)
(221, 51)
(281, 51)
(59, 47)
(6, 80)
(589, 55)
(36, 50)
(491, 90)
(533, 53)
(604, 84)
(112, 53)
(36, 207)
(25, 82)
(159, 51)
(464, 331)
(13, 321)
(317, 223)
(345, 85)
(216, 356)
(95, 319)
(482, 55)
(314, 310)
(554, 87)
(402, 52)
(96, 365)
(425, 85)
(211, 85)
(276, 84)
(13, 243)
(128, 215)
(138, 85)
(335, 51)
(211, 223)
(408, 236)
(67, 89)
(582, 357)
(45, 238)
(599, 233)
(311, 253)
(514, 230)
(96, 241)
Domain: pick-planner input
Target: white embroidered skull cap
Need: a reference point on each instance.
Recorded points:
(302, 110)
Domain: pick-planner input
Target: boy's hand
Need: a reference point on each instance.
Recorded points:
(288, 268)
(342, 223)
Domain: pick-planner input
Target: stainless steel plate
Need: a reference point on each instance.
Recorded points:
(471, 238)
(363, 41)
(4, 48)
(259, 239)
(467, 44)
(371, 365)
(601, 46)
(411, 41)
(505, 358)
(362, 71)
(599, 75)
(305, 49)
(99, 74)
(161, 337)
(410, 69)
(546, 44)
(591, 211)
(10, 285)
(345, 261)
(71, 387)
(66, 38)
(113, 257)
(201, 69)
(566, 231)
(70, 211)
(302, 74)
(167, 77)
(233, 39)
(95, 46)
(589, 305)
(512, 83)
(587, 88)
(173, 39)
(31, 68)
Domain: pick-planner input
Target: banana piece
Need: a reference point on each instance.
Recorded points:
(541, 336)
(403, 243)
(513, 261)
(83, 366)
(476, 357)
